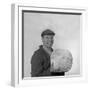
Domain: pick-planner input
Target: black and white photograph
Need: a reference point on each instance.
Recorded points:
(51, 43)
(47, 44)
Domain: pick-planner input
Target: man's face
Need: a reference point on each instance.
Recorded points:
(47, 40)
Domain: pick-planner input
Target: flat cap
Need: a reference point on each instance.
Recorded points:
(47, 32)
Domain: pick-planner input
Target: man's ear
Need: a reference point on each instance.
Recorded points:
(42, 39)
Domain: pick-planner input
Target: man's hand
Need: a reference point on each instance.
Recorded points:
(52, 69)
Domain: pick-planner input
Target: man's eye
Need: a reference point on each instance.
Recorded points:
(47, 38)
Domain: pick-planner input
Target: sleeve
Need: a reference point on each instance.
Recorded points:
(37, 66)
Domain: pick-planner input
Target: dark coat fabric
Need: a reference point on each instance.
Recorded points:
(40, 64)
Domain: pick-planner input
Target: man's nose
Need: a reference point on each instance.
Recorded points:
(51, 40)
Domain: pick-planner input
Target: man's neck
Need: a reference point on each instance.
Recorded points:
(47, 49)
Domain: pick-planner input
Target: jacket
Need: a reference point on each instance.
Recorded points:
(40, 64)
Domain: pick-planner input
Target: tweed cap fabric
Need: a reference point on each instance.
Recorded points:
(47, 32)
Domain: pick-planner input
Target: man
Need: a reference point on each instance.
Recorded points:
(40, 62)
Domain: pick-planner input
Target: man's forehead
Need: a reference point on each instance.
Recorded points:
(51, 36)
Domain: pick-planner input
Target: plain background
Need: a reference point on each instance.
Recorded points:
(67, 36)
(5, 45)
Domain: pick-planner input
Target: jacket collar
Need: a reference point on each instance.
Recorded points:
(41, 48)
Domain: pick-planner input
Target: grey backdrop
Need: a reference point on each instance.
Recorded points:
(67, 29)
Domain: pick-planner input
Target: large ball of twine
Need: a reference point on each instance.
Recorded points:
(61, 60)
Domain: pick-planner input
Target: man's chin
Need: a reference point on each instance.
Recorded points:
(50, 46)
